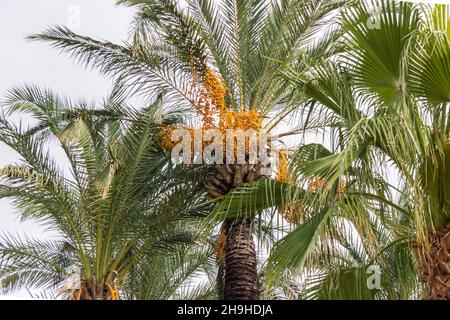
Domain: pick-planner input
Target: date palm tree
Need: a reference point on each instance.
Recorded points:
(123, 215)
(218, 60)
(385, 105)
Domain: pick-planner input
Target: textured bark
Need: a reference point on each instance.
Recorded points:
(436, 266)
(95, 292)
(241, 277)
(226, 177)
(239, 265)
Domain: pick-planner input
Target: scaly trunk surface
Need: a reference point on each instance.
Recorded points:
(240, 271)
(241, 276)
(94, 293)
(436, 266)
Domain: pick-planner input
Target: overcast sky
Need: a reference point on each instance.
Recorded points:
(23, 62)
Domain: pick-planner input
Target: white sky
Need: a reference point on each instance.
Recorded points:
(23, 62)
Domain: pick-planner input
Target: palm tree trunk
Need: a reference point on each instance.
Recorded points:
(241, 277)
(436, 266)
(94, 292)
(240, 264)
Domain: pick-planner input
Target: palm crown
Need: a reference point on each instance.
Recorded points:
(119, 202)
